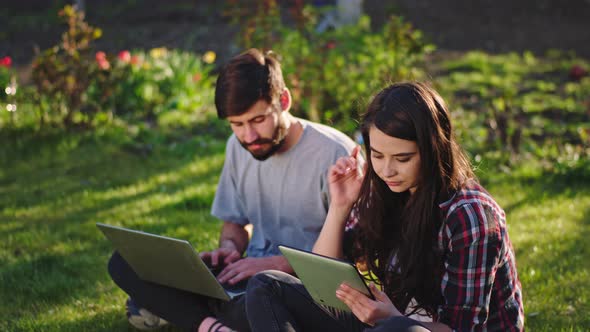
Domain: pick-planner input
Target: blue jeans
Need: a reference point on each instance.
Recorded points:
(277, 301)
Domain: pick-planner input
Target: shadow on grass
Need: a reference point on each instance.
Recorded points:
(96, 170)
(553, 250)
(96, 322)
(56, 187)
(568, 184)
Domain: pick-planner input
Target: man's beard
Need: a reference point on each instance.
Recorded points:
(276, 143)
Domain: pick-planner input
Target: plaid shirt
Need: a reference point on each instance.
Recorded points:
(480, 285)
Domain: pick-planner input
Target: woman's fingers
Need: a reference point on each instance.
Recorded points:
(351, 296)
(343, 166)
(355, 151)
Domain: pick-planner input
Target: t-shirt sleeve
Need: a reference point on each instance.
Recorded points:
(227, 205)
(473, 245)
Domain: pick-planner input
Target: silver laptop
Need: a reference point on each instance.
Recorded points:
(168, 261)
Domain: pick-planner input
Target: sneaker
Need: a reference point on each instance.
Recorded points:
(141, 318)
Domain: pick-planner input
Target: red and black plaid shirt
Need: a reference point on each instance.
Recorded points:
(480, 286)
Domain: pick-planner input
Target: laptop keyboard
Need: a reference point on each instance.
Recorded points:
(238, 288)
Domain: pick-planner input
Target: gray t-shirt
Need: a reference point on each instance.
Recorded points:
(285, 197)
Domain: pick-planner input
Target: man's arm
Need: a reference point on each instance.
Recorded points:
(234, 236)
(249, 266)
(232, 244)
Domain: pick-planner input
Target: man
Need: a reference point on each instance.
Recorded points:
(274, 178)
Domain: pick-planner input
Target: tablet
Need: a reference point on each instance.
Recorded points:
(322, 276)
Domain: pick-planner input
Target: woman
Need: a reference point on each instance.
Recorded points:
(433, 239)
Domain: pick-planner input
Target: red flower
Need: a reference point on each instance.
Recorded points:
(101, 60)
(197, 77)
(5, 62)
(124, 56)
(134, 60)
(577, 72)
(331, 45)
(100, 56)
(104, 65)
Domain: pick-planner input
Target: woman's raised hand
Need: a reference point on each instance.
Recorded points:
(345, 178)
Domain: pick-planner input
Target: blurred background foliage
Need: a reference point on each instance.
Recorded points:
(508, 106)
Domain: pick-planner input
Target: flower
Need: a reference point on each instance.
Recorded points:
(100, 56)
(124, 56)
(97, 33)
(197, 77)
(159, 52)
(577, 72)
(104, 65)
(5, 62)
(101, 60)
(134, 60)
(209, 57)
(331, 45)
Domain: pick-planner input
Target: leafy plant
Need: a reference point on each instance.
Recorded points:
(63, 73)
(522, 103)
(9, 99)
(7, 79)
(332, 73)
(163, 80)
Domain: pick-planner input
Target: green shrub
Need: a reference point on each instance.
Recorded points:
(62, 74)
(77, 86)
(163, 80)
(521, 104)
(333, 73)
(7, 79)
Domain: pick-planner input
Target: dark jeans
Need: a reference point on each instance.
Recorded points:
(181, 308)
(277, 301)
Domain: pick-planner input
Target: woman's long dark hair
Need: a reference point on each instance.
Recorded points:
(397, 239)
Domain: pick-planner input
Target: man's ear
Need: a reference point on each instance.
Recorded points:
(285, 100)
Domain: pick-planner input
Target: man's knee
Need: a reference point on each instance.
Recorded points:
(269, 278)
(118, 269)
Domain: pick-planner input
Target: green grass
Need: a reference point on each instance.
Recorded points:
(549, 225)
(55, 187)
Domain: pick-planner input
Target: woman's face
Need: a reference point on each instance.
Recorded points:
(396, 161)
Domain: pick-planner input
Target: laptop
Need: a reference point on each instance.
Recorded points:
(168, 261)
(322, 275)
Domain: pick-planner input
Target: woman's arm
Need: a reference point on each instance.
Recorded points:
(329, 242)
(473, 245)
(344, 178)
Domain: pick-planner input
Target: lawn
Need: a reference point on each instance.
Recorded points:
(55, 186)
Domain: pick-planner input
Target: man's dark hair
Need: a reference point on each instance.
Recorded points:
(246, 79)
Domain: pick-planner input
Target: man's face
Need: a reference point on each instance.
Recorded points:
(260, 129)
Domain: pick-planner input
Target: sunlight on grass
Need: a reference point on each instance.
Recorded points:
(53, 253)
(53, 258)
(549, 223)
